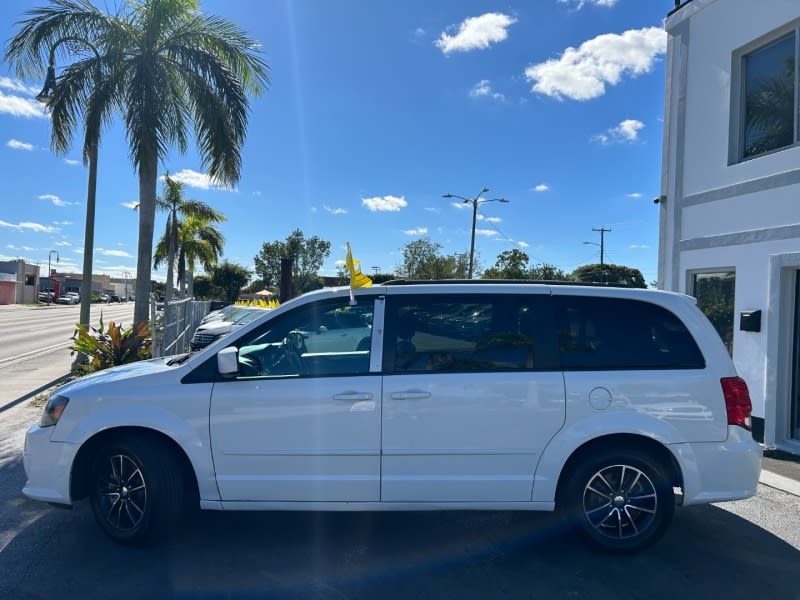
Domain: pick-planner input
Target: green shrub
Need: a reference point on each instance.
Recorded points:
(112, 346)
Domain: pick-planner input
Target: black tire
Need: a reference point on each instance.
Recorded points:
(620, 501)
(137, 490)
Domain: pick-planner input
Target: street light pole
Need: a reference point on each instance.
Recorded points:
(91, 192)
(475, 202)
(50, 272)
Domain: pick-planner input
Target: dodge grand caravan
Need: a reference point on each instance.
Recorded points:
(610, 405)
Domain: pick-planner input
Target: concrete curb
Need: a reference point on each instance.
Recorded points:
(779, 482)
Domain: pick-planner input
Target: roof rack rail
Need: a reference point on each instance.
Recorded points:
(490, 281)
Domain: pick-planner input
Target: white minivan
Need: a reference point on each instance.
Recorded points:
(612, 405)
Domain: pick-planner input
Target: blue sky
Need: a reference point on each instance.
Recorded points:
(377, 109)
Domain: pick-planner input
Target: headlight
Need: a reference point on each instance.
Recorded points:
(52, 410)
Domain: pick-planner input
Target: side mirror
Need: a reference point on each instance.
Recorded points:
(228, 362)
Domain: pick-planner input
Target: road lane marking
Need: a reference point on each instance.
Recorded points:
(37, 351)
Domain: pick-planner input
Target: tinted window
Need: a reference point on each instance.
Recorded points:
(769, 97)
(613, 333)
(468, 333)
(318, 339)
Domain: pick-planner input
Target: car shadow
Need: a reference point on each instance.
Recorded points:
(708, 552)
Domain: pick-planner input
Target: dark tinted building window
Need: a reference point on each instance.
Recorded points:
(469, 333)
(614, 333)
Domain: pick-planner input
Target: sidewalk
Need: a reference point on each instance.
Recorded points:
(24, 379)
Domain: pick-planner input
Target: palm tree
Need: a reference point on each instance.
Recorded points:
(165, 67)
(201, 244)
(198, 242)
(178, 206)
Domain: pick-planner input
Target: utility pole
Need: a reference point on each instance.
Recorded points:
(602, 232)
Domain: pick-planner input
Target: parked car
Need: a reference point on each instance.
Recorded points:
(208, 332)
(115, 298)
(598, 402)
(46, 296)
(104, 298)
(69, 298)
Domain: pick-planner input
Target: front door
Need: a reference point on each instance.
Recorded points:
(301, 421)
(472, 395)
(794, 426)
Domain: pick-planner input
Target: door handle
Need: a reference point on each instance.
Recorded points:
(353, 396)
(410, 395)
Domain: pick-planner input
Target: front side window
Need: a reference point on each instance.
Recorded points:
(769, 96)
(715, 297)
(326, 338)
(467, 333)
(616, 334)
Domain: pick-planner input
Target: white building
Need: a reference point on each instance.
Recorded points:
(730, 190)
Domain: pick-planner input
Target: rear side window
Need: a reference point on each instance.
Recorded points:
(469, 333)
(616, 333)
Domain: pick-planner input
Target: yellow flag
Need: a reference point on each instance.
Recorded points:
(357, 278)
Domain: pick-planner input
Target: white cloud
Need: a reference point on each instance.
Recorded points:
(17, 145)
(16, 86)
(72, 163)
(21, 107)
(62, 222)
(132, 204)
(476, 33)
(432, 209)
(63, 243)
(461, 205)
(634, 195)
(490, 219)
(486, 232)
(639, 246)
(579, 4)
(542, 187)
(484, 88)
(626, 132)
(54, 199)
(28, 226)
(419, 32)
(384, 203)
(416, 231)
(334, 211)
(119, 253)
(582, 73)
(522, 244)
(197, 180)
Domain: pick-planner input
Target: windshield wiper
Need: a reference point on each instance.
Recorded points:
(179, 359)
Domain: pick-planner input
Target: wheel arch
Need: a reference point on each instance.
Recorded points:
(616, 442)
(81, 465)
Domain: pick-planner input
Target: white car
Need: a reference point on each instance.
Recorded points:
(599, 402)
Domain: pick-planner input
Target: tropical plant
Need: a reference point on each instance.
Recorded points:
(165, 66)
(112, 346)
(180, 209)
(769, 114)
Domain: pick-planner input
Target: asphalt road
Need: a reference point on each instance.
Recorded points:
(27, 331)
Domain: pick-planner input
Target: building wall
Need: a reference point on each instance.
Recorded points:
(719, 213)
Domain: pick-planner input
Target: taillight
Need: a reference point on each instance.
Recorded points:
(737, 401)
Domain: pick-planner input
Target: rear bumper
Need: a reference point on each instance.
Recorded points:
(47, 466)
(719, 471)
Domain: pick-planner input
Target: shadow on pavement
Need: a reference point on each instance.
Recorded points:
(708, 553)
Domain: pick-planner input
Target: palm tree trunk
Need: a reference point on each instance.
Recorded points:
(148, 171)
(173, 234)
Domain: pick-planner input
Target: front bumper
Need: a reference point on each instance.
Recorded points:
(719, 472)
(47, 466)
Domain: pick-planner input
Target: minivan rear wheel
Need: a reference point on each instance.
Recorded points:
(620, 502)
(137, 489)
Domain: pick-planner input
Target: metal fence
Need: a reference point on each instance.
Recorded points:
(173, 324)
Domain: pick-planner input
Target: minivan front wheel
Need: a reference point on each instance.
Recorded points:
(137, 490)
(621, 502)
